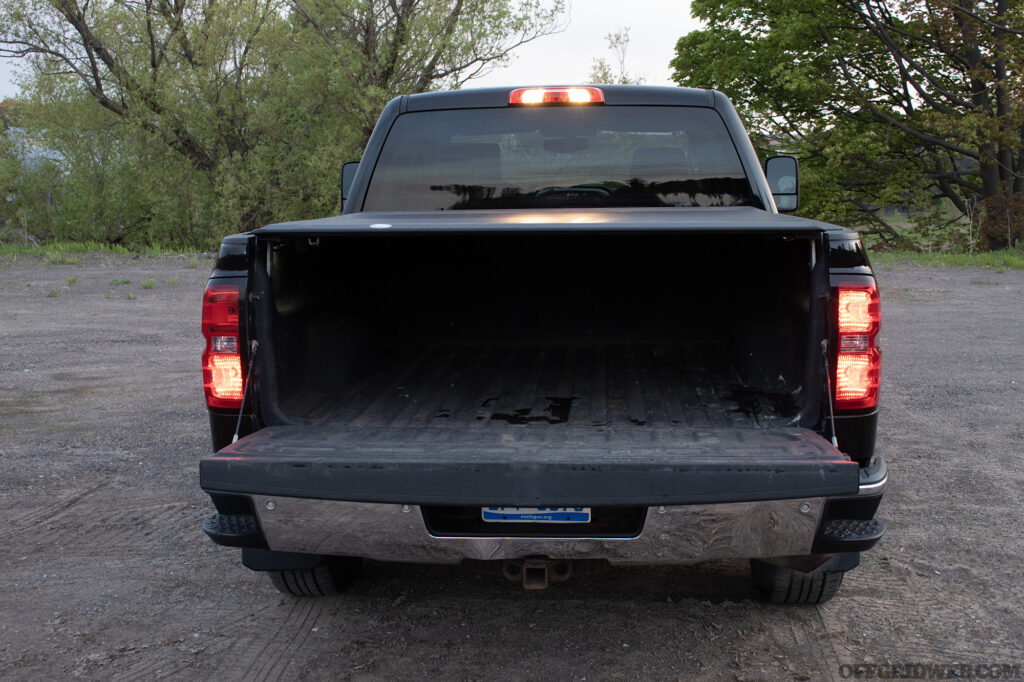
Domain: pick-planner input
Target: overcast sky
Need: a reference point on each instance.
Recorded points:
(7, 87)
(566, 58)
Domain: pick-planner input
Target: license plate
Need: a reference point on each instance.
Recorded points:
(537, 514)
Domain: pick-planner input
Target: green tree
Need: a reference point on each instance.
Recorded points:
(193, 118)
(891, 103)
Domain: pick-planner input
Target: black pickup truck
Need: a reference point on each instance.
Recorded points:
(552, 327)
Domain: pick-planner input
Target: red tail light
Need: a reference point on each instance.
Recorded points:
(223, 381)
(859, 362)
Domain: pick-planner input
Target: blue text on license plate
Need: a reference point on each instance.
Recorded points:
(537, 514)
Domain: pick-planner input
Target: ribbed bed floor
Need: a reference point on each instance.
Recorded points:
(649, 385)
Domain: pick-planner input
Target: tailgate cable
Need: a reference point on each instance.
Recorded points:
(828, 392)
(245, 391)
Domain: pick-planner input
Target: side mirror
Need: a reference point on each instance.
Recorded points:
(783, 175)
(348, 173)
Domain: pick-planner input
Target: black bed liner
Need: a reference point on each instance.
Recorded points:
(664, 384)
(530, 466)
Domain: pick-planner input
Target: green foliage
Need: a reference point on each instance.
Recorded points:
(105, 185)
(72, 281)
(904, 106)
(151, 125)
(52, 293)
(119, 282)
(148, 283)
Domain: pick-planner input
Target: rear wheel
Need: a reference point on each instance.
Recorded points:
(327, 578)
(795, 582)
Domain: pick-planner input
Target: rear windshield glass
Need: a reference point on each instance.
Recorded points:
(555, 157)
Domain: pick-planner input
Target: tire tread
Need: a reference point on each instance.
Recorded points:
(781, 585)
(306, 582)
(325, 579)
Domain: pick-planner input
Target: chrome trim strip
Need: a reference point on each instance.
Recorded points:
(678, 535)
(874, 477)
(873, 488)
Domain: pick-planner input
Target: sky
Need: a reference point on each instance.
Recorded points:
(566, 58)
(7, 86)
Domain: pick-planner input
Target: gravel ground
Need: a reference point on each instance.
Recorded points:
(107, 574)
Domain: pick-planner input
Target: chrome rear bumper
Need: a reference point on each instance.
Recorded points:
(670, 535)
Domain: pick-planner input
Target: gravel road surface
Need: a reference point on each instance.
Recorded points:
(105, 572)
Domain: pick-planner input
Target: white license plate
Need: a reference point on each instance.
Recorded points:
(537, 514)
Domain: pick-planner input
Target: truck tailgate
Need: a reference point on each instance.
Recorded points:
(531, 467)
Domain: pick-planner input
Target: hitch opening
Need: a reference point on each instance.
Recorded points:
(536, 574)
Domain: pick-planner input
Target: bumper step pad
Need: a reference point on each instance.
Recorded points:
(234, 530)
(848, 535)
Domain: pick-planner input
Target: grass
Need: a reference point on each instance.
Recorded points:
(131, 296)
(173, 281)
(62, 252)
(59, 258)
(1004, 259)
(59, 248)
(52, 294)
(148, 283)
(119, 282)
(109, 294)
(72, 280)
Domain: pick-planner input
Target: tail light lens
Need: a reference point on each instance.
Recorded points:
(859, 361)
(223, 381)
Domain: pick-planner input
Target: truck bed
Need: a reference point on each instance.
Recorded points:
(540, 332)
(552, 388)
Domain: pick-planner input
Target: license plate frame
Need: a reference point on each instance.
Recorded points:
(573, 515)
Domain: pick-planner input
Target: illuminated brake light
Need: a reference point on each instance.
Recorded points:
(857, 377)
(858, 311)
(226, 377)
(584, 96)
(575, 95)
(526, 97)
(223, 381)
(858, 362)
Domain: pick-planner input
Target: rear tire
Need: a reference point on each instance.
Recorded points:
(785, 585)
(326, 579)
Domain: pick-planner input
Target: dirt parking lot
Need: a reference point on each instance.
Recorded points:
(106, 573)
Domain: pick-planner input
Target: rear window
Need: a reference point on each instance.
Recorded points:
(557, 157)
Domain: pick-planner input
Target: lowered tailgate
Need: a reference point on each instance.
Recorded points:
(522, 467)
